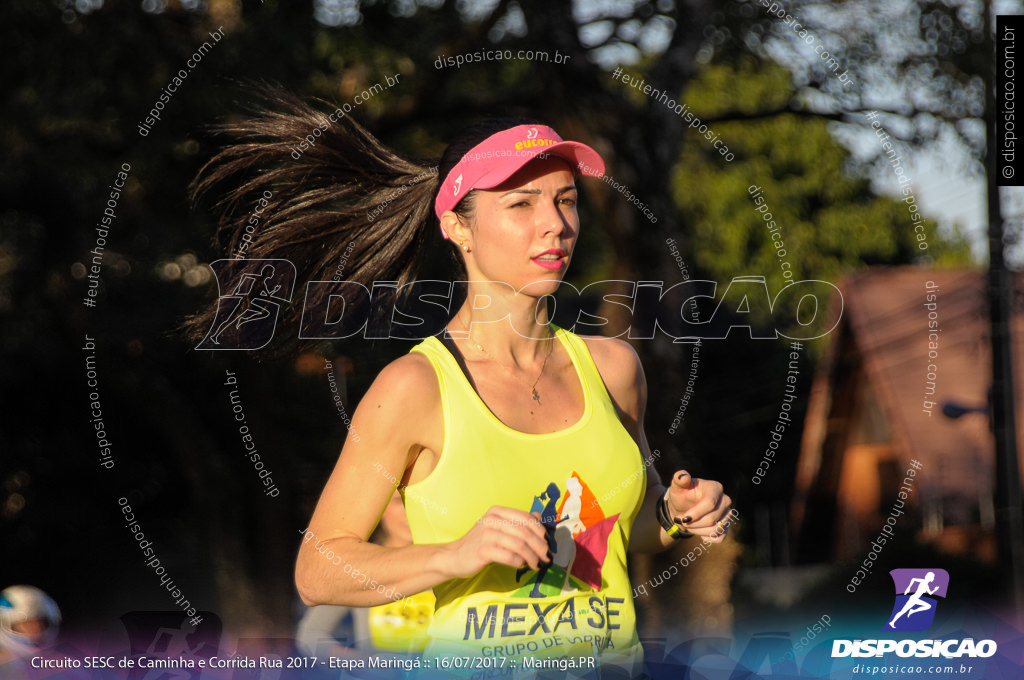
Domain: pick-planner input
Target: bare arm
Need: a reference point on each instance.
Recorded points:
(397, 419)
(702, 501)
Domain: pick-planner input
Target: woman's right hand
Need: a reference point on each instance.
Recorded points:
(502, 536)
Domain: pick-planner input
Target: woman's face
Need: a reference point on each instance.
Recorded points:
(524, 231)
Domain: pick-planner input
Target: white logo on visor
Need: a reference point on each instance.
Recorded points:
(532, 133)
(458, 184)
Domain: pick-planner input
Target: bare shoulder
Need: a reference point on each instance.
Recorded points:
(620, 369)
(400, 414)
(408, 382)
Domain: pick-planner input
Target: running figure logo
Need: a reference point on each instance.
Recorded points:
(247, 315)
(577, 534)
(914, 609)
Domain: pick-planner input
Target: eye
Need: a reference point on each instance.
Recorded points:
(569, 202)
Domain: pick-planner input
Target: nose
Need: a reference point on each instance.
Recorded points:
(550, 219)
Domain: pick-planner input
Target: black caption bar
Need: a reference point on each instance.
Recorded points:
(1009, 150)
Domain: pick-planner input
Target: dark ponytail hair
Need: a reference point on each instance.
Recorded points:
(346, 196)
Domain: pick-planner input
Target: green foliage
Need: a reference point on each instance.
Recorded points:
(827, 217)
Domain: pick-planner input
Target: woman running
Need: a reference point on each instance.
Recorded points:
(518, 446)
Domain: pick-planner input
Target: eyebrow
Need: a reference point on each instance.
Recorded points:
(537, 192)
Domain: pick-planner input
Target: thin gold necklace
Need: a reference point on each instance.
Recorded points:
(533, 387)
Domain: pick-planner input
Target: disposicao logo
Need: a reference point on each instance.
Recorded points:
(914, 610)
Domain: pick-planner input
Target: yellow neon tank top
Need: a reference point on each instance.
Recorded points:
(587, 480)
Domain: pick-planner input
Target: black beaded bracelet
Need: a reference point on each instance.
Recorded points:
(665, 519)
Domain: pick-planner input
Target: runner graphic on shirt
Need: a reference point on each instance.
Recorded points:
(577, 534)
(545, 505)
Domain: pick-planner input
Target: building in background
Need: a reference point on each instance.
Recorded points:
(910, 340)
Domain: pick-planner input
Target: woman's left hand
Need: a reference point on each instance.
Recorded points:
(701, 505)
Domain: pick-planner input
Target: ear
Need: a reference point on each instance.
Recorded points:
(453, 225)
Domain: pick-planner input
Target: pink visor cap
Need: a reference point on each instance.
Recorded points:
(501, 155)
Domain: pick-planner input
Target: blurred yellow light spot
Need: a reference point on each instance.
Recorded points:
(171, 271)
